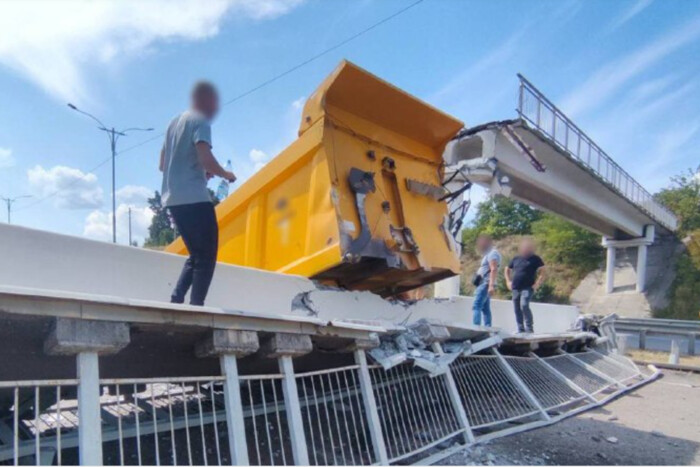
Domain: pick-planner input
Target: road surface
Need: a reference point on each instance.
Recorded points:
(658, 424)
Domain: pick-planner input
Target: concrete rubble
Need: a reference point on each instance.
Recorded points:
(417, 343)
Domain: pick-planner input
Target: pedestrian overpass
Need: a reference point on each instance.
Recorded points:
(543, 159)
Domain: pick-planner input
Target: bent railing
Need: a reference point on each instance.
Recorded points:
(540, 112)
(413, 414)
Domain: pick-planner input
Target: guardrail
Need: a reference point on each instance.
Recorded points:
(535, 108)
(689, 330)
(352, 415)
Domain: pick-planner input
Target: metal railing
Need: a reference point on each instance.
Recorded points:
(688, 330)
(352, 415)
(536, 109)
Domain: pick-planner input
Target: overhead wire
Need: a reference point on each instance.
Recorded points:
(236, 98)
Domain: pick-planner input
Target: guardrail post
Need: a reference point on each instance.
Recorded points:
(370, 404)
(521, 384)
(642, 339)
(691, 343)
(228, 345)
(87, 340)
(284, 347)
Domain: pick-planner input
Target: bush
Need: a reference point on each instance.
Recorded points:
(545, 294)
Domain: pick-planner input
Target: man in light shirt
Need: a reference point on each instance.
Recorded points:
(187, 163)
(485, 279)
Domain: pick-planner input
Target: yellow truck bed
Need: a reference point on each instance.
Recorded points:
(356, 199)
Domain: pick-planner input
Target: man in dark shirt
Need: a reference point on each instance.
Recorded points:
(524, 275)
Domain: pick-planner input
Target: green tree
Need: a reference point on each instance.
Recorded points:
(567, 243)
(683, 198)
(160, 232)
(500, 216)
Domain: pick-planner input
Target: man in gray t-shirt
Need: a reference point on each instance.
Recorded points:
(485, 280)
(187, 163)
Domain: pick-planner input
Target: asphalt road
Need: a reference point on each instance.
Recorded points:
(658, 424)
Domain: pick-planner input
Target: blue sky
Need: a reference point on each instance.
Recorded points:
(625, 71)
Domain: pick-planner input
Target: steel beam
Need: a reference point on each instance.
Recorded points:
(455, 399)
(90, 427)
(370, 404)
(234, 410)
(291, 402)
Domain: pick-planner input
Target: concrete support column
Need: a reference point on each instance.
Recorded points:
(641, 267)
(284, 347)
(229, 345)
(87, 340)
(610, 269)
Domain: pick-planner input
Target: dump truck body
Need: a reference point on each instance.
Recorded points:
(356, 199)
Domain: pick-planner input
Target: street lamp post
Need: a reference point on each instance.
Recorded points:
(113, 135)
(10, 202)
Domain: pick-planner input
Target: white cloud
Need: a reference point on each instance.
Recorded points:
(6, 159)
(135, 195)
(629, 13)
(613, 76)
(258, 158)
(70, 188)
(98, 224)
(66, 37)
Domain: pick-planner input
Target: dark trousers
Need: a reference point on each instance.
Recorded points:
(197, 225)
(523, 313)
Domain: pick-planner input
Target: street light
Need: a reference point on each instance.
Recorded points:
(113, 137)
(10, 202)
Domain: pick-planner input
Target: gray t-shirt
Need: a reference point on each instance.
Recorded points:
(184, 177)
(484, 267)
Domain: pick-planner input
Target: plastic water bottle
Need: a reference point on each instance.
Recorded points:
(222, 191)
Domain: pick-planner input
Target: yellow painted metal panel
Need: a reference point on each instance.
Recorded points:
(336, 205)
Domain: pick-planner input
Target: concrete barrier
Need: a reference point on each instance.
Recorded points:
(44, 260)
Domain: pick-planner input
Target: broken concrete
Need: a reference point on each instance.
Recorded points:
(73, 336)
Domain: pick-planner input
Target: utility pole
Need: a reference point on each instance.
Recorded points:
(10, 202)
(130, 226)
(113, 135)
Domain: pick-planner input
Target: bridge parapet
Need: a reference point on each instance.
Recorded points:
(540, 112)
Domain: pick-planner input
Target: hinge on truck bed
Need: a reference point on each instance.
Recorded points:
(364, 246)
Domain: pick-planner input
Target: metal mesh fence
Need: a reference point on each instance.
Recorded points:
(414, 410)
(586, 380)
(334, 417)
(173, 421)
(488, 393)
(607, 366)
(550, 391)
(40, 422)
(266, 423)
